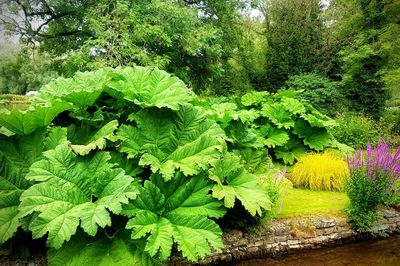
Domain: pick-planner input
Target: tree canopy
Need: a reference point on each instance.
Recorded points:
(219, 47)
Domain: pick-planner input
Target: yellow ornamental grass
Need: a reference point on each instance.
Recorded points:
(324, 171)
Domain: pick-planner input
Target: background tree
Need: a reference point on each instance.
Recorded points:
(57, 26)
(369, 55)
(294, 32)
(25, 71)
(206, 43)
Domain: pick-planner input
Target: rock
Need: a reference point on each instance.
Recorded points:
(293, 242)
(285, 236)
(326, 223)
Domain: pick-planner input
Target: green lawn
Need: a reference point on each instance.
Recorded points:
(302, 202)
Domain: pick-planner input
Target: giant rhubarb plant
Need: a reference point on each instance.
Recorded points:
(117, 167)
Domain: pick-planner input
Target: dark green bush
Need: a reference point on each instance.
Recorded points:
(322, 93)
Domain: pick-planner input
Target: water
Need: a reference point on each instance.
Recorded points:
(383, 252)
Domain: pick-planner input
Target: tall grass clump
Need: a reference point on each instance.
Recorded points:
(374, 182)
(325, 171)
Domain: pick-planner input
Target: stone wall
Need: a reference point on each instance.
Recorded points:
(283, 236)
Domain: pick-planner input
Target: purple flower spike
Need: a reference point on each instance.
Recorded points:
(284, 172)
(378, 161)
(277, 175)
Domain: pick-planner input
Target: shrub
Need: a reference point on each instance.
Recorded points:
(320, 171)
(355, 130)
(373, 182)
(322, 93)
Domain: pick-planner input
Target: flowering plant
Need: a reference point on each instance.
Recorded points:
(376, 162)
(374, 181)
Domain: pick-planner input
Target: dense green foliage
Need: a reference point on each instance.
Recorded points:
(295, 33)
(166, 168)
(370, 52)
(288, 127)
(357, 130)
(220, 47)
(125, 164)
(318, 91)
(204, 43)
(25, 72)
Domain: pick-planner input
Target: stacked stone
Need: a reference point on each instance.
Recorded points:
(284, 236)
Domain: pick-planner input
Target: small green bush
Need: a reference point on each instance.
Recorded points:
(374, 182)
(366, 195)
(322, 93)
(355, 130)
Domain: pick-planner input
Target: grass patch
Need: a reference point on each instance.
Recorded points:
(303, 202)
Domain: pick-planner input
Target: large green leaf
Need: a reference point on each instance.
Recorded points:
(95, 140)
(169, 141)
(56, 136)
(254, 160)
(316, 119)
(119, 250)
(72, 191)
(315, 137)
(278, 114)
(254, 98)
(151, 87)
(293, 105)
(176, 211)
(273, 136)
(9, 201)
(82, 90)
(241, 135)
(233, 182)
(17, 154)
(224, 113)
(24, 122)
(292, 151)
